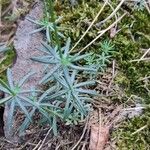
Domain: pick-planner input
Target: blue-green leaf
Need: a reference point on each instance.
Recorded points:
(9, 78)
(50, 73)
(91, 92)
(84, 84)
(25, 78)
(4, 100)
(23, 108)
(37, 30)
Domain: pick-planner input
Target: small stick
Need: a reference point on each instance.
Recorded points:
(142, 128)
(138, 60)
(37, 145)
(44, 139)
(84, 130)
(145, 54)
(147, 7)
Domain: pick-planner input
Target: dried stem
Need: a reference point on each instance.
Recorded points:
(90, 26)
(102, 32)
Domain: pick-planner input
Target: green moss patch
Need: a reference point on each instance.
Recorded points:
(6, 62)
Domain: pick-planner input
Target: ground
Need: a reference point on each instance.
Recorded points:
(129, 87)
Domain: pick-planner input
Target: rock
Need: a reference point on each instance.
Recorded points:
(26, 47)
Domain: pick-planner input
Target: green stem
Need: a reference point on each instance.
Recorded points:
(53, 112)
(52, 14)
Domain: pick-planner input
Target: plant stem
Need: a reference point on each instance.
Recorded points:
(52, 14)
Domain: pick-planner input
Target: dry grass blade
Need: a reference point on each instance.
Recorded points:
(102, 32)
(113, 13)
(44, 139)
(148, 50)
(37, 145)
(138, 60)
(137, 131)
(147, 7)
(84, 131)
(143, 57)
(90, 26)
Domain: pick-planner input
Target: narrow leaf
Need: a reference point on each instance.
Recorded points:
(50, 73)
(25, 78)
(4, 100)
(84, 84)
(23, 108)
(91, 92)
(37, 30)
(9, 78)
(81, 68)
(67, 47)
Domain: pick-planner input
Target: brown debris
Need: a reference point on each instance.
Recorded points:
(99, 137)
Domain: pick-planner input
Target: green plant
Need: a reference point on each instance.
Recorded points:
(60, 62)
(74, 118)
(76, 96)
(14, 96)
(100, 59)
(107, 47)
(49, 109)
(61, 101)
(46, 25)
(28, 101)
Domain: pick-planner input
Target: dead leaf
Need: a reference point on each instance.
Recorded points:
(99, 137)
(113, 32)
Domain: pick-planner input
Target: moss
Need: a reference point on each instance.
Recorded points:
(77, 19)
(128, 78)
(138, 141)
(8, 60)
(130, 50)
(133, 36)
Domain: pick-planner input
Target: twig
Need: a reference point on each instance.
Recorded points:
(43, 140)
(112, 79)
(142, 128)
(7, 9)
(84, 130)
(147, 7)
(145, 54)
(100, 126)
(145, 78)
(135, 108)
(138, 60)
(37, 145)
(89, 26)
